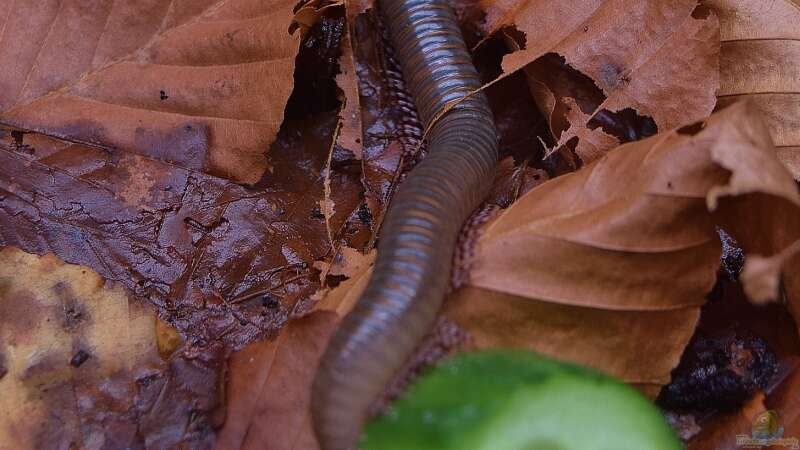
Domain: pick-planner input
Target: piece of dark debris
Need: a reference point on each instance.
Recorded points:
(732, 256)
(269, 302)
(719, 373)
(364, 214)
(316, 213)
(79, 358)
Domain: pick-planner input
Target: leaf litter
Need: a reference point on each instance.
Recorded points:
(586, 110)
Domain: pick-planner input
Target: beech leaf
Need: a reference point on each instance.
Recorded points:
(656, 60)
(193, 244)
(608, 266)
(200, 84)
(269, 388)
(760, 60)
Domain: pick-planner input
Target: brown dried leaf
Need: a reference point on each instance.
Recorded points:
(269, 388)
(270, 382)
(654, 57)
(760, 60)
(608, 266)
(199, 84)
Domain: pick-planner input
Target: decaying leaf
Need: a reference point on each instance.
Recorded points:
(81, 365)
(199, 84)
(760, 60)
(642, 66)
(608, 266)
(194, 245)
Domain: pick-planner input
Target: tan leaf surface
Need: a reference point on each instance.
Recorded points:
(201, 84)
(269, 388)
(760, 60)
(655, 57)
(269, 384)
(608, 266)
(70, 347)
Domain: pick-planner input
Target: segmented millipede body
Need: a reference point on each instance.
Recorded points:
(412, 270)
(410, 127)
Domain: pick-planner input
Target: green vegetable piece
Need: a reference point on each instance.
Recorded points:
(517, 400)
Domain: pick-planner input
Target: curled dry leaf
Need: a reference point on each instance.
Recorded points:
(199, 84)
(760, 60)
(309, 13)
(81, 367)
(608, 266)
(642, 66)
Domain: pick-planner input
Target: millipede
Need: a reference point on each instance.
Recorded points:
(417, 238)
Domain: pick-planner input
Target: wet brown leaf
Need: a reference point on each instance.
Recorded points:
(637, 61)
(760, 60)
(194, 245)
(608, 266)
(199, 84)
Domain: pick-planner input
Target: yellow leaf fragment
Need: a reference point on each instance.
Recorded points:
(70, 344)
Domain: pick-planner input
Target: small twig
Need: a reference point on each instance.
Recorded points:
(325, 206)
(266, 291)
